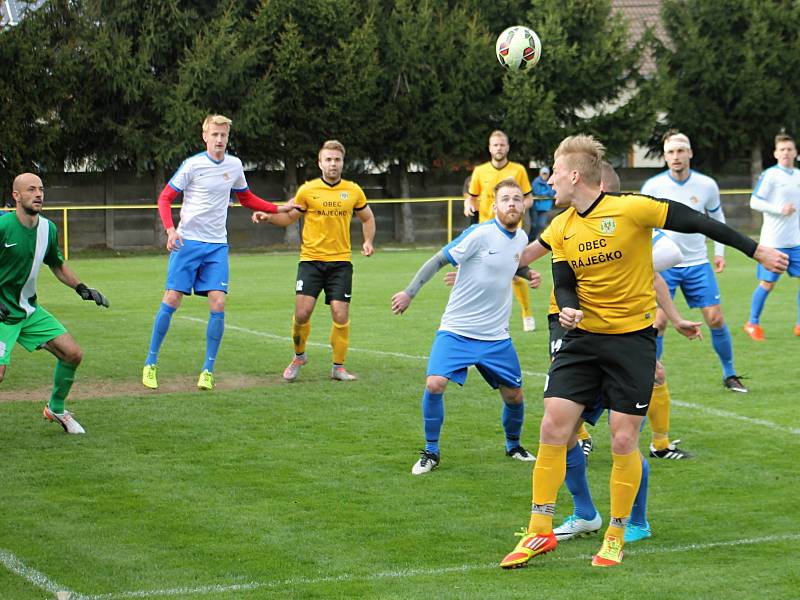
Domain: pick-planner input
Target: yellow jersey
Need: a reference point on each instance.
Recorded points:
(486, 176)
(552, 308)
(609, 248)
(327, 212)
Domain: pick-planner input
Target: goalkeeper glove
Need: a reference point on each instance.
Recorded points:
(88, 293)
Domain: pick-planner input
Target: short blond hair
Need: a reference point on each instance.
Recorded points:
(584, 154)
(783, 137)
(609, 178)
(215, 120)
(498, 133)
(332, 145)
(505, 183)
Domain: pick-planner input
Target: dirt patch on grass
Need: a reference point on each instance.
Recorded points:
(87, 389)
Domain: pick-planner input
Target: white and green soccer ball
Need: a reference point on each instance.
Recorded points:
(518, 48)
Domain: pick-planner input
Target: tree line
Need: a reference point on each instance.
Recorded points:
(125, 84)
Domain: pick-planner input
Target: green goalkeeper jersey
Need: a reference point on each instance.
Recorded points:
(22, 252)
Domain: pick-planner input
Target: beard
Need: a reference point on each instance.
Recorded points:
(510, 221)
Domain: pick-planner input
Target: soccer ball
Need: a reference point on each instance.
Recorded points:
(518, 48)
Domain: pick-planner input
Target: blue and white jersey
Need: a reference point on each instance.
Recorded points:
(778, 187)
(699, 192)
(206, 185)
(487, 256)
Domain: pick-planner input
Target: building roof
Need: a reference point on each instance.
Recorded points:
(11, 11)
(641, 14)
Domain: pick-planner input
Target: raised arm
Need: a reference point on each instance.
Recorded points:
(401, 300)
(280, 219)
(686, 220)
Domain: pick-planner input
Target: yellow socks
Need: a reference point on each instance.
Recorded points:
(300, 335)
(582, 433)
(523, 295)
(658, 415)
(548, 475)
(626, 475)
(340, 342)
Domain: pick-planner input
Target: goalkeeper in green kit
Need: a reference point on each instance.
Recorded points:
(28, 240)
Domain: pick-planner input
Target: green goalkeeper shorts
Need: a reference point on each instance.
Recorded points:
(31, 333)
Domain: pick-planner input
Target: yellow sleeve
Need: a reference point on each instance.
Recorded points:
(646, 211)
(475, 182)
(361, 198)
(546, 236)
(556, 239)
(301, 197)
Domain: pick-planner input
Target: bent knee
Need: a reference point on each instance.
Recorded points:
(74, 356)
(511, 395)
(713, 317)
(436, 384)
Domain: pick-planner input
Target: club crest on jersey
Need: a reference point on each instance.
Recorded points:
(343, 196)
(225, 176)
(608, 226)
(694, 199)
(516, 257)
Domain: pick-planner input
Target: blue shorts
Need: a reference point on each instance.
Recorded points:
(793, 270)
(452, 354)
(698, 284)
(198, 266)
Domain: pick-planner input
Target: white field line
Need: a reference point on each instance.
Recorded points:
(706, 409)
(36, 578)
(419, 572)
(283, 338)
(729, 415)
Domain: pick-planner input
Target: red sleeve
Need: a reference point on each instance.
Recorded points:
(253, 202)
(168, 194)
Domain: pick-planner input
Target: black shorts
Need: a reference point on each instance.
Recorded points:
(335, 277)
(615, 369)
(557, 333)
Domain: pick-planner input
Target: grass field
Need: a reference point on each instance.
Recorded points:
(264, 489)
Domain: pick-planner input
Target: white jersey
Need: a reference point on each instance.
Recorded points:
(480, 304)
(206, 185)
(778, 187)
(699, 192)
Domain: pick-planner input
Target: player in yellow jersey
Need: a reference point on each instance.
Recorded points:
(327, 205)
(481, 201)
(603, 283)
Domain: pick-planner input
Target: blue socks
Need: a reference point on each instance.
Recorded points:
(433, 416)
(160, 328)
(513, 416)
(723, 346)
(214, 331)
(659, 346)
(639, 512)
(578, 485)
(757, 303)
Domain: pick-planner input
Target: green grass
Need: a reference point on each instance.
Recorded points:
(304, 490)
